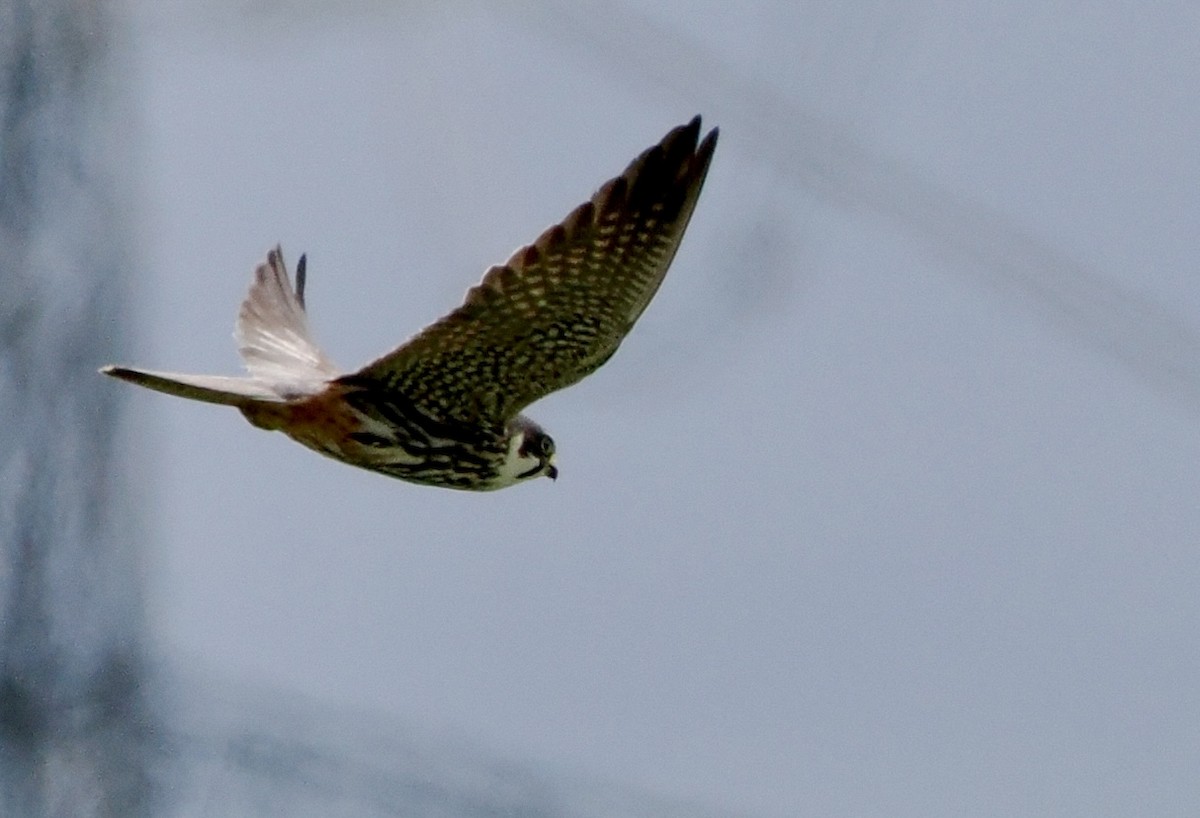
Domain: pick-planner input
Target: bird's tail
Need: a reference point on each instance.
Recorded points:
(273, 337)
(272, 331)
(208, 388)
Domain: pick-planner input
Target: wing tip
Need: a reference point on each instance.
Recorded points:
(129, 374)
(696, 153)
(115, 371)
(687, 136)
(707, 146)
(680, 158)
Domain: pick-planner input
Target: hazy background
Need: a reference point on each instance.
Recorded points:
(888, 506)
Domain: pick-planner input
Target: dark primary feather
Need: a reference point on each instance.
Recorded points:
(559, 307)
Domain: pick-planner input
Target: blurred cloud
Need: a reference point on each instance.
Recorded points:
(233, 749)
(74, 723)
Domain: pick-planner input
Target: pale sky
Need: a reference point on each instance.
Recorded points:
(887, 506)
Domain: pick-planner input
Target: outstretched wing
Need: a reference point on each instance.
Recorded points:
(272, 331)
(560, 307)
(208, 388)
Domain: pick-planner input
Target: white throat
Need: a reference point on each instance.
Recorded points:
(516, 464)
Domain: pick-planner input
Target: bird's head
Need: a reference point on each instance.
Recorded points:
(530, 452)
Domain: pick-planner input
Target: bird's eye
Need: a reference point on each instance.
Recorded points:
(547, 446)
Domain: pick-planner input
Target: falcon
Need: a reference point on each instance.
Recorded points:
(444, 408)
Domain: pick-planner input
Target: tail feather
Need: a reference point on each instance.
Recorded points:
(208, 388)
(272, 330)
(272, 334)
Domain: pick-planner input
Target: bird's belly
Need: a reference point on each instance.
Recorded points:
(323, 422)
(329, 424)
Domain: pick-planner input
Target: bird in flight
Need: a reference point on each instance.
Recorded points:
(444, 408)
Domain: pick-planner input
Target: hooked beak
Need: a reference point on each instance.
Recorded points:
(552, 471)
